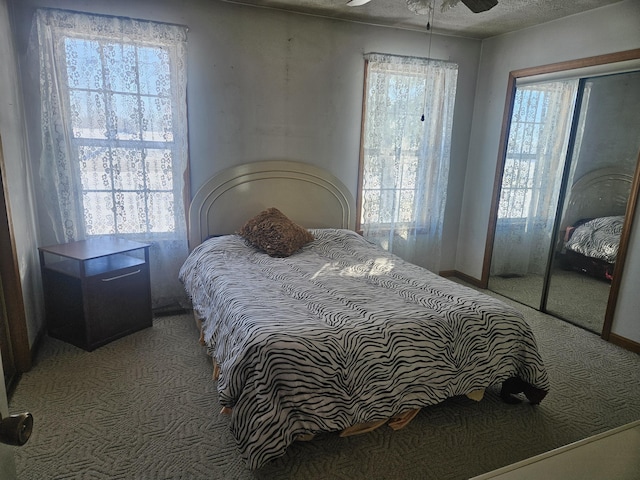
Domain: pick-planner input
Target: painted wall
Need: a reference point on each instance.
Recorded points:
(601, 31)
(265, 84)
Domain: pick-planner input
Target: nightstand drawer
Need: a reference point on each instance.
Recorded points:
(118, 302)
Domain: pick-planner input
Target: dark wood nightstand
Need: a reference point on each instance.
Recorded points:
(96, 290)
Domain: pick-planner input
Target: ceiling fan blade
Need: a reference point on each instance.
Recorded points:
(477, 6)
(357, 3)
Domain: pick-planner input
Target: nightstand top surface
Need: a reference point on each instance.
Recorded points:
(93, 248)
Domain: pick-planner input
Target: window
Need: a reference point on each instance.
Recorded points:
(406, 146)
(535, 149)
(393, 167)
(530, 108)
(519, 188)
(122, 135)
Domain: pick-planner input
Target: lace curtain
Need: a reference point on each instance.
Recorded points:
(114, 134)
(406, 146)
(534, 163)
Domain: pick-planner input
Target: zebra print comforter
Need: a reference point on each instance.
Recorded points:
(343, 333)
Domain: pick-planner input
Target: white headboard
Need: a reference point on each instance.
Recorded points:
(310, 196)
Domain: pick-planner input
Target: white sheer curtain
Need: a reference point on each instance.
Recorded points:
(535, 159)
(406, 150)
(114, 134)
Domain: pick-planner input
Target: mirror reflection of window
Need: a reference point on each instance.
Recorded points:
(536, 150)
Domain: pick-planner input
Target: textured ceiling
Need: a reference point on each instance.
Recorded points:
(507, 16)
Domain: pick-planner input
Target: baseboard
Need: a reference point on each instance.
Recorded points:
(624, 343)
(170, 310)
(467, 278)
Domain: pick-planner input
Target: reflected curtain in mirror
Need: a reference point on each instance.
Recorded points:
(536, 149)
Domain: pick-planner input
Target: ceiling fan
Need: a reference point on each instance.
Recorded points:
(420, 6)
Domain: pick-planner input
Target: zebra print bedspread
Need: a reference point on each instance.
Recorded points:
(343, 333)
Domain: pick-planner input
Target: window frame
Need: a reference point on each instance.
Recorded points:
(110, 142)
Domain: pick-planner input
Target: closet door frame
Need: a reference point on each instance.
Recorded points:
(556, 68)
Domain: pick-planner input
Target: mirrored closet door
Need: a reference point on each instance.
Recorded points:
(571, 147)
(530, 191)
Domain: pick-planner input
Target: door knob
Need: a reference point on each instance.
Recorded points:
(16, 429)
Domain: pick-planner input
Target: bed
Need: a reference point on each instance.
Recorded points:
(593, 222)
(339, 336)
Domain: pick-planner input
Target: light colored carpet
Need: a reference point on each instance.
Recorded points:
(145, 407)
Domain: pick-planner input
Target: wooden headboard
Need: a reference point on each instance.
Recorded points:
(600, 193)
(308, 195)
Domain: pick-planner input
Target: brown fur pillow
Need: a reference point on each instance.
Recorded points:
(273, 232)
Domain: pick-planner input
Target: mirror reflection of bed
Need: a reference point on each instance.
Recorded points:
(587, 246)
(564, 193)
